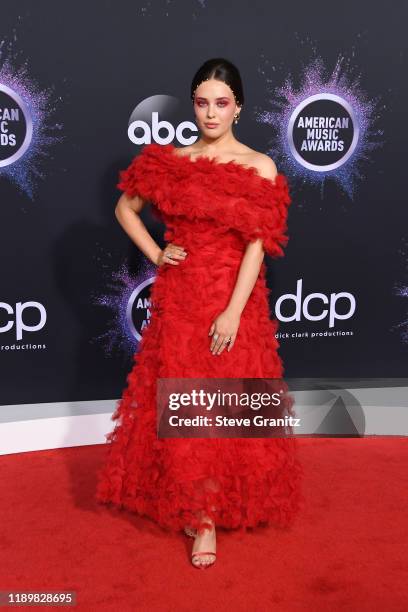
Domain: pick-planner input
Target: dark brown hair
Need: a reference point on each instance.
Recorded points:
(222, 70)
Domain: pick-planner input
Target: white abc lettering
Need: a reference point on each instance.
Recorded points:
(161, 125)
(303, 308)
(20, 325)
(186, 125)
(134, 126)
(153, 134)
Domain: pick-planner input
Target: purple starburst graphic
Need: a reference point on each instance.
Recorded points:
(40, 105)
(124, 288)
(339, 85)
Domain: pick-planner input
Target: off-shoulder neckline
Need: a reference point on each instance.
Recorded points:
(211, 161)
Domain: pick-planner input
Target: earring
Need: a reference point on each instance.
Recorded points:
(236, 118)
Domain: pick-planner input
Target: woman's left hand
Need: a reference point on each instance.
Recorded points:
(225, 326)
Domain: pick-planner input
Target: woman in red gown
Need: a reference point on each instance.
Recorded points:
(224, 205)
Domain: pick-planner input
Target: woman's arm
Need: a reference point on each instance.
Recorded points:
(227, 323)
(127, 213)
(247, 275)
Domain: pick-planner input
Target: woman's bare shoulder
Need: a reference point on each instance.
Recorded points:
(264, 164)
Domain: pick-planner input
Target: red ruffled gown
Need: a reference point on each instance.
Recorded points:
(213, 209)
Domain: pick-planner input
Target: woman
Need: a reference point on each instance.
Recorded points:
(224, 205)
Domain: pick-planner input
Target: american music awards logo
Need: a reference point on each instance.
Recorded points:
(128, 299)
(138, 308)
(26, 127)
(326, 128)
(323, 132)
(16, 126)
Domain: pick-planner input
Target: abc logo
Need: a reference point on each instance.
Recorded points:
(145, 125)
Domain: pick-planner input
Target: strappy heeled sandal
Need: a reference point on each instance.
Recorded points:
(192, 533)
(203, 565)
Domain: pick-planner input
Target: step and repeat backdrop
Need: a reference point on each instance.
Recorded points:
(81, 91)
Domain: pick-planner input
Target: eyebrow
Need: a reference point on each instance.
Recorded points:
(220, 98)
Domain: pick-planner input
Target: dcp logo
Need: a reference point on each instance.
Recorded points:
(302, 305)
(18, 318)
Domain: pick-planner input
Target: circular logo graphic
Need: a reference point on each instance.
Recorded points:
(16, 126)
(323, 132)
(160, 119)
(138, 308)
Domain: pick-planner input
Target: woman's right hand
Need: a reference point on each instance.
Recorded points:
(170, 254)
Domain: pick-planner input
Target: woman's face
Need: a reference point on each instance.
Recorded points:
(214, 107)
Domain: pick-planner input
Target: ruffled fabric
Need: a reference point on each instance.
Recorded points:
(212, 210)
(239, 199)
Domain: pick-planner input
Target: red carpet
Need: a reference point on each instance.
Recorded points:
(346, 552)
